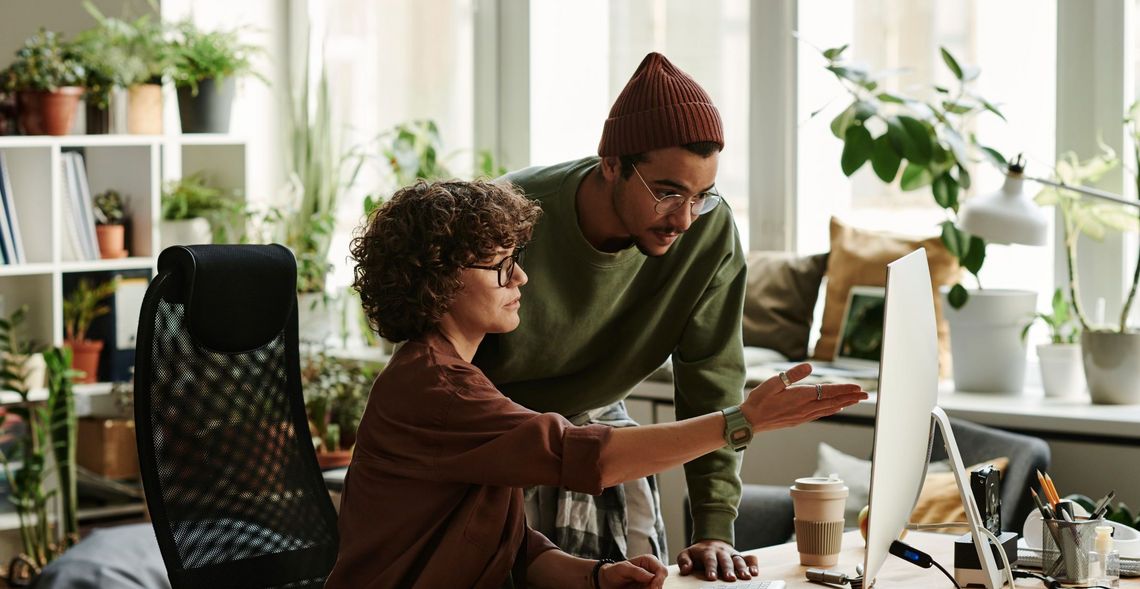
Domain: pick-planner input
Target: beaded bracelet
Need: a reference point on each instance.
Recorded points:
(598, 568)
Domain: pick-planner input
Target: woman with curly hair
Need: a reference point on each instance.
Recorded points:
(433, 497)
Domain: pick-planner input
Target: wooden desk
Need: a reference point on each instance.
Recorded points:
(783, 562)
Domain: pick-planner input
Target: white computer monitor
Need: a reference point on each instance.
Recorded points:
(907, 400)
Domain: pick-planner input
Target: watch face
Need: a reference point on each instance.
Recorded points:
(740, 435)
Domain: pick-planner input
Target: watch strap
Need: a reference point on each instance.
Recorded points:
(737, 429)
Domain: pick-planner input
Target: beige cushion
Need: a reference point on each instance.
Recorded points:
(860, 257)
(780, 300)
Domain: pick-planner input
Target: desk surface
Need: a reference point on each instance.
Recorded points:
(783, 562)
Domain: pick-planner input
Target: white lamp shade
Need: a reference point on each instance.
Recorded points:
(1006, 216)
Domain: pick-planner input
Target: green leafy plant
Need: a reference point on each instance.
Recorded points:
(122, 52)
(46, 62)
(85, 304)
(336, 393)
(191, 196)
(199, 55)
(1062, 330)
(49, 427)
(110, 208)
(1081, 216)
(320, 172)
(922, 135)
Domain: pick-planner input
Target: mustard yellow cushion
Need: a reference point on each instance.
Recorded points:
(859, 258)
(939, 500)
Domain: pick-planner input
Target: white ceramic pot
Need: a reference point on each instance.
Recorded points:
(985, 339)
(317, 319)
(185, 232)
(1062, 374)
(35, 371)
(1112, 366)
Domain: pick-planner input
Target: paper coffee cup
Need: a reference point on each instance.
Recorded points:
(818, 503)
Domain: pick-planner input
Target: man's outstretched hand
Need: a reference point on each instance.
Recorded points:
(714, 558)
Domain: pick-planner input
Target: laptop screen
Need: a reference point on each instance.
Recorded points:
(861, 334)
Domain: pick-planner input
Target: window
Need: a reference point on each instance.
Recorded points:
(389, 63)
(1014, 45)
(582, 54)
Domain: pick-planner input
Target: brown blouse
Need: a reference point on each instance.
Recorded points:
(433, 496)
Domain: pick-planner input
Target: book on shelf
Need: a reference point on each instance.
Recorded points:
(10, 242)
(69, 220)
(80, 230)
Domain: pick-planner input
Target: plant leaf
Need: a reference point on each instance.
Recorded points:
(919, 134)
(994, 155)
(915, 176)
(840, 123)
(884, 159)
(888, 97)
(856, 149)
(834, 53)
(975, 255)
(957, 296)
(951, 63)
(945, 189)
(955, 240)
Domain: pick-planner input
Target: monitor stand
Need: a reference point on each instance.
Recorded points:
(991, 575)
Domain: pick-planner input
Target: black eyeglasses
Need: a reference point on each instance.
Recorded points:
(505, 269)
(669, 202)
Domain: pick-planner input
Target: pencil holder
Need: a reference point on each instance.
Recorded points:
(1066, 547)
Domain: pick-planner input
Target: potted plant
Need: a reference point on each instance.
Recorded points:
(1060, 358)
(80, 307)
(129, 54)
(336, 392)
(44, 450)
(1111, 352)
(205, 65)
(46, 77)
(188, 207)
(321, 170)
(922, 141)
(110, 228)
(25, 366)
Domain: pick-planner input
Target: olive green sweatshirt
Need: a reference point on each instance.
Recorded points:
(594, 325)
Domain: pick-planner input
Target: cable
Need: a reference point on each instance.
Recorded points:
(938, 526)
(919, 558)
(945, 572)
(1001, 551)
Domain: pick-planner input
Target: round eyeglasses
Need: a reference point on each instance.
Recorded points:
(505, 269)
(671, 201)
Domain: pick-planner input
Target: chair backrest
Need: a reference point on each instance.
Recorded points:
(1026, 455)
(228, 466)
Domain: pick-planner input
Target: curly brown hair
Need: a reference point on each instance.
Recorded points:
(411, 250)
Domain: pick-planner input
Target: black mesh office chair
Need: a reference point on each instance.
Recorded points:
(228, 466)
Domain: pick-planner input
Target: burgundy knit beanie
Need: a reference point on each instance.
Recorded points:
(660, 106)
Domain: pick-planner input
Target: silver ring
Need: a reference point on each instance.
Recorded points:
(818, 392)
(784, 379)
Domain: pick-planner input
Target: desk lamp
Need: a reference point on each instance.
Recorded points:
(1010, 216)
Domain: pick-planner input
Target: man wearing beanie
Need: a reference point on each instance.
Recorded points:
(634, 260)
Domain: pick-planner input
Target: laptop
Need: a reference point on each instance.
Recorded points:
(860, 341)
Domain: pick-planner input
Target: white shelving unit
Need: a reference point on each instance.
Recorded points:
(136, 166)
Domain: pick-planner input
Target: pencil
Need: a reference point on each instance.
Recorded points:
(1044, 487)
(1053, 489)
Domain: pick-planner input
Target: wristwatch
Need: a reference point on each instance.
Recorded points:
(737, 430)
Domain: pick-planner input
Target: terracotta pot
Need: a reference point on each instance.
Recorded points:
(85, 358)
(111, 241)
(49, 113)
(144, 109)
(335, 459)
